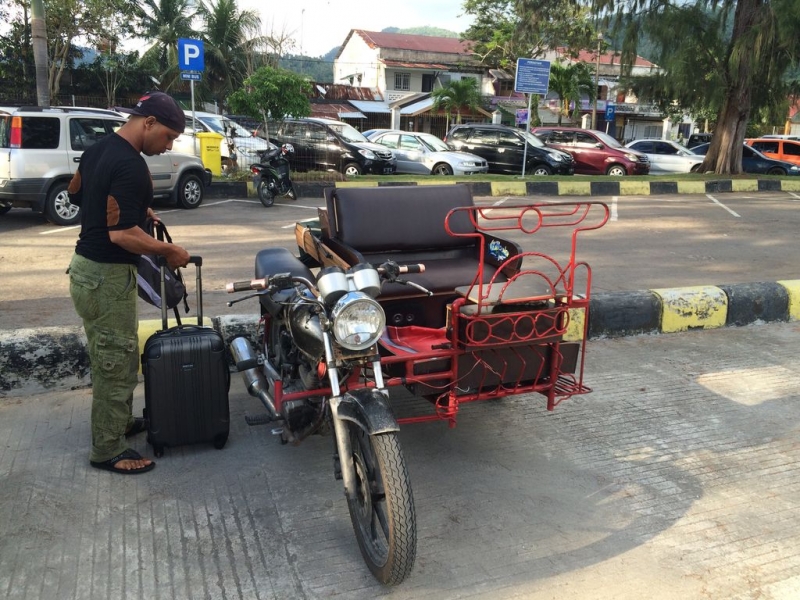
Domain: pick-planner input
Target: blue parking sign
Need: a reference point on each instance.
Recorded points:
(611, 111)
(190, 55)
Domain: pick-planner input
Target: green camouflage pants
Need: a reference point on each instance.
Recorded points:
(104, 296)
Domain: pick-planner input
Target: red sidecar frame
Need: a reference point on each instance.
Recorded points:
(517, 328)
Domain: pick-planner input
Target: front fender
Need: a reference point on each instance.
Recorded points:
(369, 409)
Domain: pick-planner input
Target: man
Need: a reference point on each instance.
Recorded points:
(114, 189)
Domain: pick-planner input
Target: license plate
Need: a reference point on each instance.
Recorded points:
(387, 171)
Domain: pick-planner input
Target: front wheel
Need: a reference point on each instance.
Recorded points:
(352, 170)
(382, 513)
(442, 169)
(265, 194)
(58, 209)
(190, 191)
(776, 171)
(542, 170)
(616, 171)
(4, 208)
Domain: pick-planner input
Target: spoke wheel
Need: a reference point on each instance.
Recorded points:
(442, 169)
(382, 513)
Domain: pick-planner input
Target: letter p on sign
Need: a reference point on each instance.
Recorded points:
(190, 55)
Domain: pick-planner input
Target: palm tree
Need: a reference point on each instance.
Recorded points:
(462, 94)
(163, 22)
(39, 35)
(229, 34)
(571, 82)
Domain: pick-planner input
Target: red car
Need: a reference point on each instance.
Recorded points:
(595, 152)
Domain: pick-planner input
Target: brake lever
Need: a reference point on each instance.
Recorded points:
(261, 293)
(414, 285)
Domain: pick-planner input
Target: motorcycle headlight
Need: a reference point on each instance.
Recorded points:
(367, 154)
(358, 321)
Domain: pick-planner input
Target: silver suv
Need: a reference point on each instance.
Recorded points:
(40, 149)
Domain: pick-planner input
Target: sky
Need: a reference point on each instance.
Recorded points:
(319, 25)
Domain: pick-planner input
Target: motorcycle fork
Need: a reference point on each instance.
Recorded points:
(340, 428)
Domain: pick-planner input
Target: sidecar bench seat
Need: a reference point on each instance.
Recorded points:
(406, 224)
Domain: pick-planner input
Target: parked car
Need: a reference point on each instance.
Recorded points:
(696, 139)
(329, 145)
(426, 154)
(40, 149)
(778, 148)
(238, 148)
(504, 148)
(248, 123)
(755, 162)
(595, 152)
(667, 156)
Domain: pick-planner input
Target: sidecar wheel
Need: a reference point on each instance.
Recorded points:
(382, 514)
(265, 195)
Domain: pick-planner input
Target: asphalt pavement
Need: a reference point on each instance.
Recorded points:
(676, 478)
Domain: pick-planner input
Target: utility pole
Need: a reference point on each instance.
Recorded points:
(596, 80)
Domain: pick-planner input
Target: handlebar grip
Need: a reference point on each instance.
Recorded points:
(418, 268)
(245, 286)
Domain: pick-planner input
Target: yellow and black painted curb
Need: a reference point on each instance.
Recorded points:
(624, 187)
(36, 360)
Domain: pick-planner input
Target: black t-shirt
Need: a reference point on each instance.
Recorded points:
(114, 189)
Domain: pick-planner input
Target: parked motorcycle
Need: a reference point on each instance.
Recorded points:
(272, 176)
(318, 370)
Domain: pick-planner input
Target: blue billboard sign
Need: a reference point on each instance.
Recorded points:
(533, 76)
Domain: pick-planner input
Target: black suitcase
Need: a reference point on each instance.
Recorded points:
(186, 382)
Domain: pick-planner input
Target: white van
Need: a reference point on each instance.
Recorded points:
(238, 148)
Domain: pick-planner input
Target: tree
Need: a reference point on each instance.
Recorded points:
(504, 30)
(39, 37)
(456, 96)
(164, 22)
(741, 52)
(272, 93)
(571, 82)
(229, 35)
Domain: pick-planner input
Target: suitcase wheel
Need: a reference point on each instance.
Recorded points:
(219, 441)
(158, 451)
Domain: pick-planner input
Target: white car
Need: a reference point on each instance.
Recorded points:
(423, 153)
(667, 156)
(238, 147)
(40, 149)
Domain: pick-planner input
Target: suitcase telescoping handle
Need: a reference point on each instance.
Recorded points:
(198, 263)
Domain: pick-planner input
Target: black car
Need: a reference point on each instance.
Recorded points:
(328, 145)
(755, 162)
(504, 148)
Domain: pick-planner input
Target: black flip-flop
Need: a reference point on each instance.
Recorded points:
(140, 424)
(129, 454)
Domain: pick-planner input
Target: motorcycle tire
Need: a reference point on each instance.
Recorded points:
(265, 194)
(382, 514)
(292, 193)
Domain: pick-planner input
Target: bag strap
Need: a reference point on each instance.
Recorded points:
(159, 231)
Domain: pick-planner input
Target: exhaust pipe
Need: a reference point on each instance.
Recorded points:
(254, 380)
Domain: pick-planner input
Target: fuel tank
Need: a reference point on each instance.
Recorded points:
(307, 331)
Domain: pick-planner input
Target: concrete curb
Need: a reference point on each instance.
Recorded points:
(623, 187)
(37, 360)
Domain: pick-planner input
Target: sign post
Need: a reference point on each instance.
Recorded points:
(191, 61)
(532, 77)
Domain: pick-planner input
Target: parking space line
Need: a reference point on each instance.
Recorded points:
(793, 195)
(715, 201)
(614, 214)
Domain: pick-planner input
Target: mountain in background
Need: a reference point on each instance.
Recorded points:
(320, 69)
